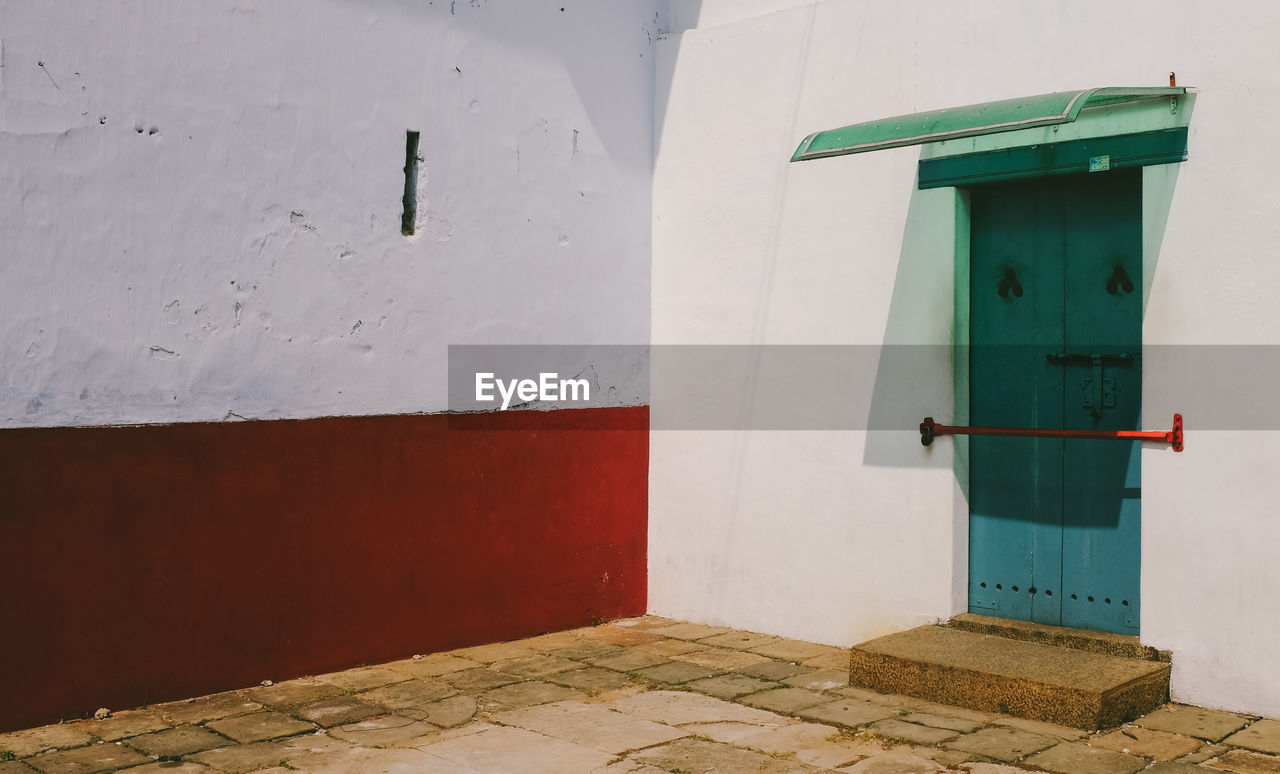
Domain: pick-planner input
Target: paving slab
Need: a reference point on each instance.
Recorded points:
(1079, 758)
(338, 710)
(946, 710)
(1002, 743)
(1156, 745)
(1262, 736)
(629, 660)
(784, 700)
(177, 742)
(383, 731)
(893, 728)
(218, 705)
(32, 741)
(87, 760)
(363, 759)
(410, 693)
(503, 749)
(293, 692)
(245, 757)
(722, 660)
(591, 725)
(894, 763)
(592, 679)
(948, 758)
(884, 699)
(1212, 725)
(531, 693)
(774, 670)
(317, 742)
(727, 731)
(1245, 762)
(123, 724)
(474, 680)
(672, 648)
(553, 641)
(1174, 768)
(363, 679)
(434, 665)
(582, 650)
(645, 622)
(470, 729)
(833, 660)
(537, 665)
(812, 743)
(848, 713)
(446, 713)
(260, 726)
(680, 707)
(256, 755)
(15, 767)
(821, 680)
(497, 651)
(730, 686)
(675, 672)
(628, 766)
(989, 768)
(739, 640)
(623, 636)
(164, 767)
(1204, 753)
(688, 756)
(1040, 727)
(962, 725)
(795, 650)
(690, 631)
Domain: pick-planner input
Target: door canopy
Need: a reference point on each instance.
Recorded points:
(1062, 107)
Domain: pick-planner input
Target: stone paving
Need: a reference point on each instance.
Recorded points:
(639, 696)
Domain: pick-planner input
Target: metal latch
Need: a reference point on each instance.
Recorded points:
(1098, 392)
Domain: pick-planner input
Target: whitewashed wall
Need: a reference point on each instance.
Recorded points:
(201, 198)
(842, 536)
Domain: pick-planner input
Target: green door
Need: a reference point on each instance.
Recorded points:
(1056, 341)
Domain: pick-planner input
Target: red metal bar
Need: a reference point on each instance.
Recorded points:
(930, 430)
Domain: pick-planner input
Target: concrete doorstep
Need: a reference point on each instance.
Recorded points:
(1057, 684)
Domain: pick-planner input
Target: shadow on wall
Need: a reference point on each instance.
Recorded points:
(680, 15)
(914, 370)
(918, 375)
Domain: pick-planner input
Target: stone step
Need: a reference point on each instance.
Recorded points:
(1125, 645)
(985, 672)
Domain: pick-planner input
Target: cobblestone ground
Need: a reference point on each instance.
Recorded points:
(641, 696)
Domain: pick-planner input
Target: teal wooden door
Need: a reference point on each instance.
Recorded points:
(1056, 341)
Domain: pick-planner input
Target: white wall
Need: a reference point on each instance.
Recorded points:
(842, 536)
(202, 199)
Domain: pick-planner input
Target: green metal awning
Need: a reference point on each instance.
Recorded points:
(987, 118)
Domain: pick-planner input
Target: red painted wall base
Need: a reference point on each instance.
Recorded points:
(141, 564)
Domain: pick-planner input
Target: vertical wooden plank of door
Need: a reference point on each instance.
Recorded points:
(1102, 496)
(1045, 595)
(1015, 306)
